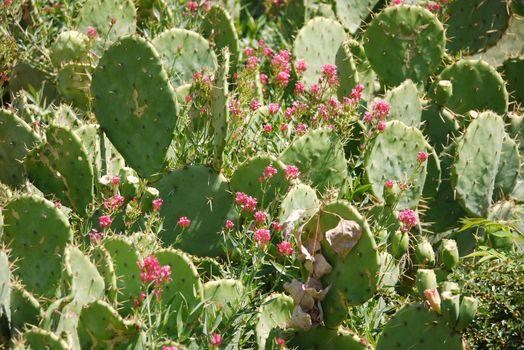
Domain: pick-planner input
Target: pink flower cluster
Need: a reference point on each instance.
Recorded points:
(184, 222)
(291, 172)
(215, 340)
(269, 172)
(281, 65)
(380, 110)
(329, 71)
(152, 272)
(285, 248)
(95, 236)
(104, 221)
(157, 203)
(408, 219)
(262, 236)
(247, 203)
(114, 202)
(260, 217)
(422, 156)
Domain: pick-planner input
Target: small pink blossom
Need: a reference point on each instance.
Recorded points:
(299, 88)
(356, 92)
(263, 78)
(283, 78)
(389, 183)
(252, 63)
(247, 203)
(270, 171)
(289, 112)
(216, 340)
(301, 128)
(8, 2)
(273, 108)
(300, 67)
(422, 156)
(397, 2)
(169, 348)
(262, 236)
(329, 70)
(380, 109)
(381, 126)
(260, 216)
(104, 221)
(433, 6)
(276, 226)
(249, 51)
(95, 236)
(189, 98)
(192, 6)
(281, 343)
(184, 222)
(157, 203)
(268, 128)
(140, 299)
(284, 127)
(229, 224)
(285, 248)
(408, 218)
(315, 89)
(268, 52)
(368, 117)
(254, 105)
(291, 172)
(91, 32)
(114, 202)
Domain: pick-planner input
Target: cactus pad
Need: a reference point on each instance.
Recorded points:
(317, 43)
(320, 157)
(322, 338)
(275, 311)
(513, 71)
(301, 197)
(135, 104)
(184, 53)
(416, 328)
(404, 42)
(208, 203)
(476, 86)
(225, 296)
(16, 137)
(405, 104)
(69, 46)
(86, 283)
(393, 156)
(37, 338)
(508, 168)
(477, 158)
(352, 13)
(74, 82)
(25, 309)
(37, 233)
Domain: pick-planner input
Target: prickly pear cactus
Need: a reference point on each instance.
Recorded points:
(317, 43)
(405, 103)
(16, 138)
(475, 25)
(25, 308)
(135, 104)
(477, 158)
(37, 233)
(508, 168)
(69, 46)
(346, 70)
(393, 155)
(320, 157)
(37, 338)
(299, 197)
(415, 327)
(208, 203)
(275, 311)
(476, 86)
(404, 42)
(74, 82)
(513, 70)
(184, 53)
(85, 282)
(225, 296)
(319, 338)
(220, 111)
(353, 13)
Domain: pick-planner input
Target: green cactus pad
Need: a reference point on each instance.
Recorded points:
(477, 158)
(301, 197)
(104, 264)
(513, 71)
(218, 27)
(86, 283)
(66, 117)
(185, 287)
(37, 338)
(404, 42)
(246, 179)
(220, 110)
(74, 82)
(320, 338)
(24, 76)
(225, 296)
(476, 86)
(16, 138)
(135, 104)
(352, 13)
(475, 25)
(90, 137)
(405, 104)
(64, 153)
(366, 75)
(317, 43)
(440, 126)
(346, 70)
(184, 53)
(320, 157)
(37, 233)
(127, 273)
(275, 311)
(208, 203)
(25, 309)
(69, 46)
(508, 168)
(99, 13)
(5, 284)
(416, 328)
(434, 175)
(393, 156)
(101, 327)
(354, 278)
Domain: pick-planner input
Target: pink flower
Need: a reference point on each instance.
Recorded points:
(334, 102)
(433, 6)
(381, 126)
(276, 226)
(270, 171)
(254, 105)
(262, 236)
(252, 63)
(389, 183)
(291, 172)
(315, 89)
(289, 112)
(240, 198)
(184, 222)
(104, 221)
(380, 109)
(260, 216)
(408, 218)
(192, 6)
(169, 348)
(157, 203)
(248, 51)
(8, 2)
(368, 117)
(281, 343)
(300, 67)
(114, 202)
(207, 7)
(273, 108)
(397, 2)
(283, 127)
(356, 92)
(234, 107)
(285, 248)
(329, 70)
(189, 98)
(91, 32)
(197, 76)
(299, 88)
(95, 236)
(151, 271)
(263, 78)
(229, 224)
(216, 340)
(268, 128)
(268, 52)
(140, 299)
(301, 128)
(247, 203)
(283, 78)
(422, 156)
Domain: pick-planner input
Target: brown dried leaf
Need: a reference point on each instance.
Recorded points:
(344, 237)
